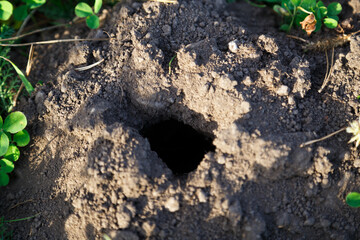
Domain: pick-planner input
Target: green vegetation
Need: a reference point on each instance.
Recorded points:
(83, 10)
(5, 233)
(310, 15)
(353, 199)
(14, 15)
(9, 84)
(14, 124)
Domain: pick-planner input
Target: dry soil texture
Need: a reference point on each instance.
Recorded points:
(238, 82)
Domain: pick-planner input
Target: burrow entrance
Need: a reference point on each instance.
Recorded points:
(179, 145)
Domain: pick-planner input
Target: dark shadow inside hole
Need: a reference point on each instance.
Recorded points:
(179, 145)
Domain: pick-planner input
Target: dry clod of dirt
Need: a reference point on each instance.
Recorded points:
(245, 90)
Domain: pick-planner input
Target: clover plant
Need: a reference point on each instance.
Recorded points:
(20, 12)
(83, 10)
(15, 124)
(309, 14)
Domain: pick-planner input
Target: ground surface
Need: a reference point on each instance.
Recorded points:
(89, 170)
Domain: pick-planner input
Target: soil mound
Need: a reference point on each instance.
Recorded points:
(237, 83)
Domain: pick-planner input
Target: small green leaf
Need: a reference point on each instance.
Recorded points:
(27, 84)
(308, 4)
(20, 13)
(6, 165)
(285, 27)
(334, 8)
(353, 199)
(97, 5)
(34, 3)
(83, 10)
(1, 122)
(323, 11)
(92, 21)
(4, 144)
(4, 179)
(22, 138)
(15, 122)
(13, 153)
(6, 10)
(330, 22)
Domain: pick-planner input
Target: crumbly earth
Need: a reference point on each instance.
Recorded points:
(237, 79)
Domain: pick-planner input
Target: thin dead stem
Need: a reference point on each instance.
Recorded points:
(329, 70)
(21, 203)
(30, 60)
(54, 41)
(89, 66)
(298, 38)
(33, 32)
(323, 138)
(18, 36)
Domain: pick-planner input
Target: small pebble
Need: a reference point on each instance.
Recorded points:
(247, 81)
(233, 46)
(201, 196)
(283, 90)
(123, 219)
(172, 204)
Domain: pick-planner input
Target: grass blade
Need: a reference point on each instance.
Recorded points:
(28, 86)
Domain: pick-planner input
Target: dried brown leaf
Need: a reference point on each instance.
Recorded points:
(309, 24)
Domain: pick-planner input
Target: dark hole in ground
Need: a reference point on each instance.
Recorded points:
(179, 145)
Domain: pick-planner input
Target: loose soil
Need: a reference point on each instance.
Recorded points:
(241, 97)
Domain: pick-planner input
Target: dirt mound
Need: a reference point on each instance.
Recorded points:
(241, 98)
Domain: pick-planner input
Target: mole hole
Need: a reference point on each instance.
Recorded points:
(179, 145)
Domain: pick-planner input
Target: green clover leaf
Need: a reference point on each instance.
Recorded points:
(6, 165)
(83, 10)
(20, 13)
(334, 9)
(330, 22)
(15, 122)
(22, 138)
(92, 21)
(34, 3)
(353, 199)
(97, 5)
(6, 10)
(4, 143)
(13, 153)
